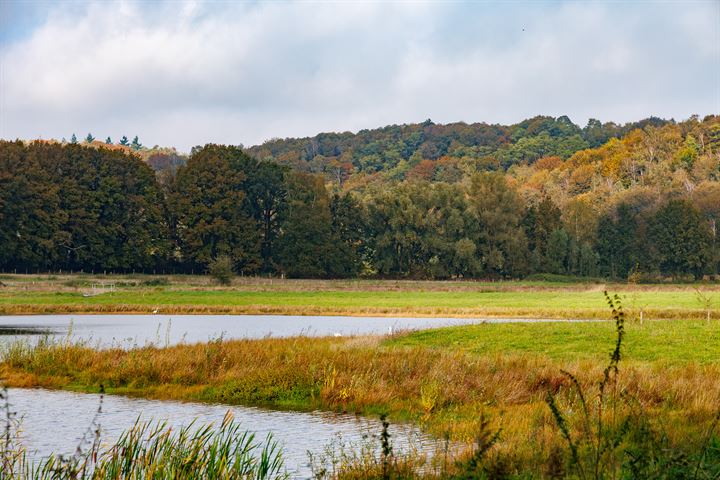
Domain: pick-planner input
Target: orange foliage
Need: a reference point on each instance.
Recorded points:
(425, 170)
(581, 178)
(548, 163)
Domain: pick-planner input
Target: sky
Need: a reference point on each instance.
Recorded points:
(180, 74)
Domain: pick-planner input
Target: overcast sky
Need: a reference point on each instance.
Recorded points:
(188, 73)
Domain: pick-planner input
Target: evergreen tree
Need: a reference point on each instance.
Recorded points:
(89, 138)
(73, 139)
(308, 247)
(617, 243)
(108, 141)
(124, 141)
(136, 145)
(680, 239)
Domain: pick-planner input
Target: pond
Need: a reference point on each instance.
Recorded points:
(162, 330)
(54, 422)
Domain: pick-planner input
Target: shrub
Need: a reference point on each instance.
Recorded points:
(222, 269)
(155, 282)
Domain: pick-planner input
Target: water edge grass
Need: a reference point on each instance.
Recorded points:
(146, 450)
(442, 389)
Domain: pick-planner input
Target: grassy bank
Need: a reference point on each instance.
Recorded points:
(197, 295)
(442, 379)
(664, 341)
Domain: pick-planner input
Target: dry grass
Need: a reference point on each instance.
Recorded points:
(409, 311)
(80, 282)
(444, 391)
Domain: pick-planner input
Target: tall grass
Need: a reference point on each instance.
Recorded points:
(149, 450)
(609, 433)
(603, 432)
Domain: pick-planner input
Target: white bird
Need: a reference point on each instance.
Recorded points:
(336, 334)
(155, 311)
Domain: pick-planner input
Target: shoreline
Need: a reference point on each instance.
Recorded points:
(399, 312)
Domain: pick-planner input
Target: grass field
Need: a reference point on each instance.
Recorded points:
(446, 380)
(180, 294)
(666, 341)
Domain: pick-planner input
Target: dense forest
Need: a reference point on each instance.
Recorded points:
(639, 201)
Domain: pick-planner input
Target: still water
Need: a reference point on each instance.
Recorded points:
(138, 330)
(54, 422)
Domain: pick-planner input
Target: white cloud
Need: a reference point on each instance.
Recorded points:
(190, 73)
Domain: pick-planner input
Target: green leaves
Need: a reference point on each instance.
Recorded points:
(75, 207)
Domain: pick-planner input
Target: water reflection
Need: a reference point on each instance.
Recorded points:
(14, 330)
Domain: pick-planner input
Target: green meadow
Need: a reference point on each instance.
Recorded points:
(667, 341)
(176, 294)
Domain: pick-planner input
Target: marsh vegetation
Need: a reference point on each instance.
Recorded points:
(465, 384)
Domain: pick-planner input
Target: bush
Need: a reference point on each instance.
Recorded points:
(156, 282)
(222, 270)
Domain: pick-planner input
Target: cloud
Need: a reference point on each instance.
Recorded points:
(189, 73)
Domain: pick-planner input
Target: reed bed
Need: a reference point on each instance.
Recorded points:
(149, 450)
(529, 410)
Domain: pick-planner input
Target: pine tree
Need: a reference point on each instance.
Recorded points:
(681, 239)
(136, 145)
(307, 246)
(108, 141)
(89, 138)
(617, 243)
(124, 141)
(73, 139)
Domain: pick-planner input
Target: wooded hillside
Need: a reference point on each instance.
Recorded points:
(429, 201)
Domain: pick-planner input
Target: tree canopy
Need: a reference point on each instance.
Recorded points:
(421, 201)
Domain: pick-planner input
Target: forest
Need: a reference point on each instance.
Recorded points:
(638, 202)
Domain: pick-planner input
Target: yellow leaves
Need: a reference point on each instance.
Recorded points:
(429, 396)
(584, 157)
(581, 178)
(633, 139)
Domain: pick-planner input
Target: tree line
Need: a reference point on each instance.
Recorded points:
(76, 207)
(403, 151)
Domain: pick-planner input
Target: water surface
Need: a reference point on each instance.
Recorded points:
(131, 330)
(54, 422)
